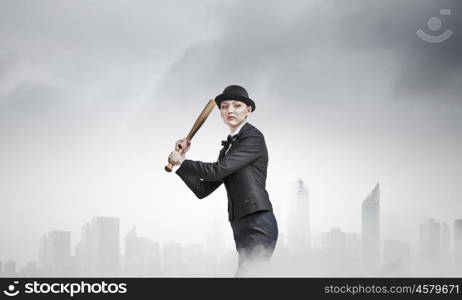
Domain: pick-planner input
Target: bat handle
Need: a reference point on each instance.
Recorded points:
(169, 167)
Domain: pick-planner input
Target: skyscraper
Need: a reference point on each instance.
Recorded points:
(430, 240)
(298, 225)
(340, 253)
(55, 254)
(353, 247)
(83, 251)
(458, 245)
(445, 244)
(131, 244)
(370, 229)
(396, 258)
(105, 246)
(9, 269)
(44, 260)
(172, 259)
(30, 270)
(142, 256)
(336, 243)
(98, 251)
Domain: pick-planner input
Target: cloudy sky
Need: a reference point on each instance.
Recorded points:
(93, 95)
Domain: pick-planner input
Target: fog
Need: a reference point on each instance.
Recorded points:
(93, 95)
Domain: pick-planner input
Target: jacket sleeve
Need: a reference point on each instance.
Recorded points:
(200, 188)
(246, 150)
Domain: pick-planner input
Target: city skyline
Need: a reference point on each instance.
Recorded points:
(99, 250)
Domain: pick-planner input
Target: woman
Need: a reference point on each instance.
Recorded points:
(241, 166)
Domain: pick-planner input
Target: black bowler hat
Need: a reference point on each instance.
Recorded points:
(235, 92)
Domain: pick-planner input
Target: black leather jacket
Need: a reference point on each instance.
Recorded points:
(242, 170)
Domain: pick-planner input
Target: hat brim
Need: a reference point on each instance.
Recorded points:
(223, 97)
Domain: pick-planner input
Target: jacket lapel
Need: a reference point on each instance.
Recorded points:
(247, 126)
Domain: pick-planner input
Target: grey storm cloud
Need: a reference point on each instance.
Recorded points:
(7, 63)
(68, 68)
(300, 50)
(391, 26)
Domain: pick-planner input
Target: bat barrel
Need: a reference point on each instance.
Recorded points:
(200, 120)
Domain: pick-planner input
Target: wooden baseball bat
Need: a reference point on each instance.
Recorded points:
(200, 120)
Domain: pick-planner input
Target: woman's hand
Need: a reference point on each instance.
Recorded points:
(182, 145)
(176, 158)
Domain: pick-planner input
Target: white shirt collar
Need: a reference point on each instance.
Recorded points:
(238, 129)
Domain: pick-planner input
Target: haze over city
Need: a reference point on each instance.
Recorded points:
(93, 95)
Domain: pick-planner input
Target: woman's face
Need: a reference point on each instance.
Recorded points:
(234, 112)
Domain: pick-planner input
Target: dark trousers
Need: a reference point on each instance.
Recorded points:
(255, 236)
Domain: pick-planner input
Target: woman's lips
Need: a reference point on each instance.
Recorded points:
(231, 118)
